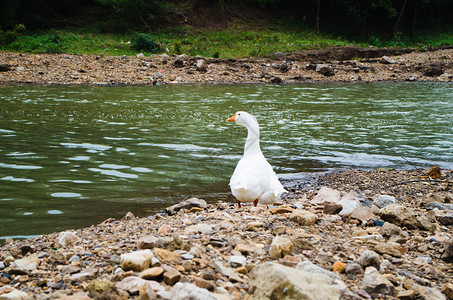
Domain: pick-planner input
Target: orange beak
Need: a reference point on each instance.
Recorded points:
(231, 119)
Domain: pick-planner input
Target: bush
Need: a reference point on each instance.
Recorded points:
(142, 41)
(9, 36)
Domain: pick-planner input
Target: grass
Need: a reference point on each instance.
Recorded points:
(235, 42)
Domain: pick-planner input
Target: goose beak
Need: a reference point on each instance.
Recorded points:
(231, 119)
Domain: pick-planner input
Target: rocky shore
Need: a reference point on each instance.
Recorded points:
(331, 65)
(374, 234)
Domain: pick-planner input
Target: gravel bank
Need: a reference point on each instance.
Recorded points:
(375, 234)
(337, 65)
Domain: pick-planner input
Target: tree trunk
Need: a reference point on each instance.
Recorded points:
(414, 18)
(399, 18)
(317, 16)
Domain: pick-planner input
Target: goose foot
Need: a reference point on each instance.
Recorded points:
(239, 204)
(255, 203)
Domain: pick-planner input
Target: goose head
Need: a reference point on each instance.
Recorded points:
(244, 119)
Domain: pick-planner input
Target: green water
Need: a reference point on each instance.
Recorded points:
(73, 156)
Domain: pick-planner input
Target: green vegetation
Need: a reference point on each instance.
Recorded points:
(230, 43)
(127, 27)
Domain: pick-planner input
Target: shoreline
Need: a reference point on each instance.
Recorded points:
(337, 66)
(336, 227)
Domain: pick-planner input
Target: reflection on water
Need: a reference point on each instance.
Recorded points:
(72, 156)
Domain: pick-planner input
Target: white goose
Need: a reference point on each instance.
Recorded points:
(253, 179)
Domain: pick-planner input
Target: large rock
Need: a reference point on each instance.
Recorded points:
(186, 204)
(326, 194)
(137, 260)
(448, 252)
(303, 217)
(201, 65)
(280, 247)
(325, 70)
(28, 263)
(446, 219)
(275, 281)
(147, 242)
(199, 228)
(384, 200)
(67, 238)
(375, 283)
(132, 284)
(185, 291)
(399, 215)
(14, 295)
(369, 258)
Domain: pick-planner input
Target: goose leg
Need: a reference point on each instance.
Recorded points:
(239, 203)
(255, 203)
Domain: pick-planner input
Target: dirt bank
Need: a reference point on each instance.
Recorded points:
(377, 234)
(331, 65)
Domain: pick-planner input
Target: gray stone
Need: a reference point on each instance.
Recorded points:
(185, 291)
(308, 267)
(224, 271)
(440, 206)
(375, 283)
(237, 261)
(85, 275)
(386, 60)
(326, 194)
(199, 228)
(446, 219)
(275, 281)
(369, 258)
(353, 269)
(186, 204)
(384, 200)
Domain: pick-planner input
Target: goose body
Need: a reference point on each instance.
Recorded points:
(253, 180)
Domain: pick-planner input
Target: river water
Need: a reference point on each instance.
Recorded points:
(73, 156)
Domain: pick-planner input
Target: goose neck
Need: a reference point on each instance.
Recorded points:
(252, 144)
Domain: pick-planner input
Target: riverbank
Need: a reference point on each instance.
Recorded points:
(330, 65)
(380, 234)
